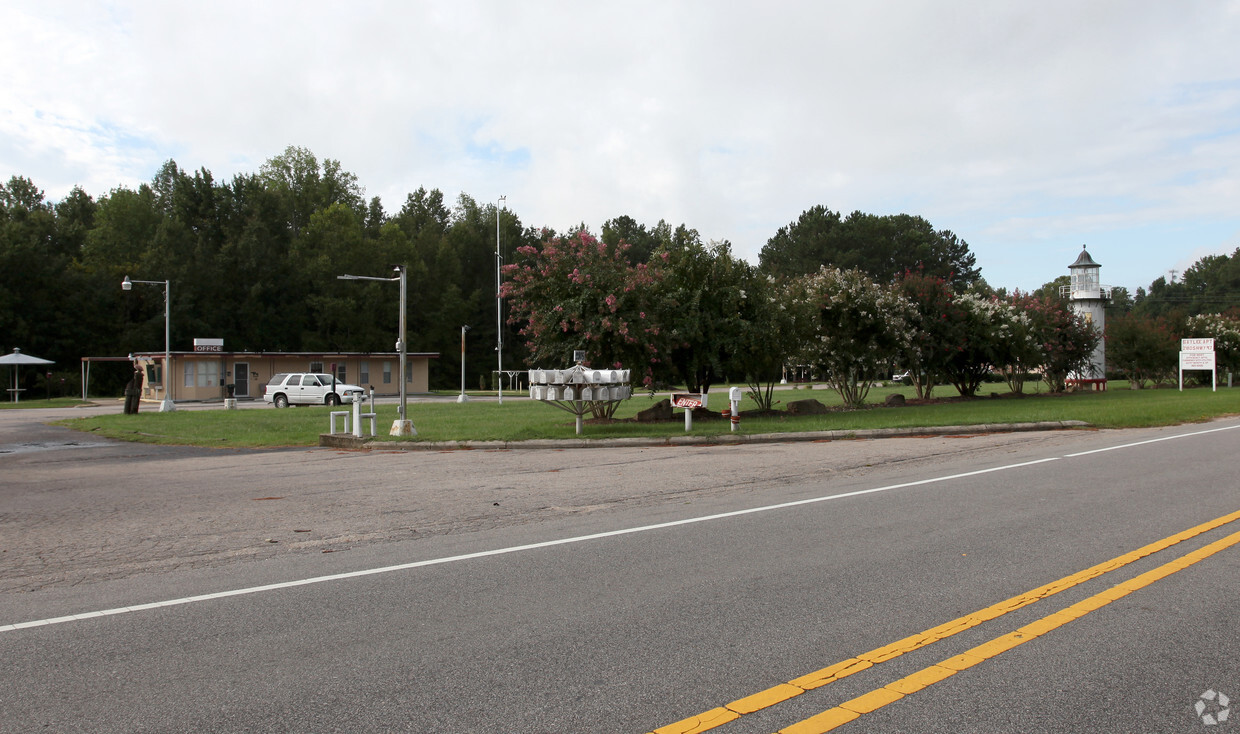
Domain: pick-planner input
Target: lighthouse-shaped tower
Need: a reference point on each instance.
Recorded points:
(1089, 298)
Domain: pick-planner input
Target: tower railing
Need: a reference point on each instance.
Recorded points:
(1102, 291)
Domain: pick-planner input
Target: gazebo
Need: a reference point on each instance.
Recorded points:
(16, 360)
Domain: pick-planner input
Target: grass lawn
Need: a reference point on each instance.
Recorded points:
(520, 419)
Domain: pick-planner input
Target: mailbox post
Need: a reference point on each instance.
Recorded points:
(734, 397)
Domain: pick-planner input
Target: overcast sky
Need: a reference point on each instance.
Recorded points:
(1028, 129)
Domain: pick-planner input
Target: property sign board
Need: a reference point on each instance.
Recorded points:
(208, 345)
(1196, 360)
(1196, 345)
(1198, 354)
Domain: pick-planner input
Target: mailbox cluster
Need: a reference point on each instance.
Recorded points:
(580, 384)
(576, 389)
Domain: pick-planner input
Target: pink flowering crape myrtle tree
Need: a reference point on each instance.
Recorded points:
(935, 327)
(577, 292)
(1065, 341)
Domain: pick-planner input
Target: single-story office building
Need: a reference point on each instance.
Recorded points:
(203, 375)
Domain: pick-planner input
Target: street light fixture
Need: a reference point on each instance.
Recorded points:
(499, 311)
(166, 406)
(462, 397)
(402, 426)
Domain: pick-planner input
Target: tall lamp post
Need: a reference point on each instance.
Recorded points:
(499, 311)
(462, 398)
(126, 285)
(402, 426)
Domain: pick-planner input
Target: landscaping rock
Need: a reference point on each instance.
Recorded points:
(894, 400)
(806, 407)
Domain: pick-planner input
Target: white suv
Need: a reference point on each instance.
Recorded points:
(309, 388)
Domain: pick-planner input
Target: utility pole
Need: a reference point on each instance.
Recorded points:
(499, 310)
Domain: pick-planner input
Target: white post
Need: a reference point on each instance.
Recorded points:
(580, 420)
(357, 416)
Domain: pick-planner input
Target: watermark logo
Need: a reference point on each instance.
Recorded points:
(1212, 707)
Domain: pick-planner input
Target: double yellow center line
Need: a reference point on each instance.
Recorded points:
(876, 699)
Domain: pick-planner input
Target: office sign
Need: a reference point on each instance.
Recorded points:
(208, 345)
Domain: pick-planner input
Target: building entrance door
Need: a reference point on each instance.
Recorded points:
(241, 379)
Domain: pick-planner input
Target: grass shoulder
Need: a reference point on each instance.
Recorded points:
(523, 419)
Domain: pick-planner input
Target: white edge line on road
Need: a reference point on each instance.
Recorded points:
(1152, 440)
(502, 551)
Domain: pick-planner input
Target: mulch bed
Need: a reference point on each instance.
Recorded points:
(714, 415)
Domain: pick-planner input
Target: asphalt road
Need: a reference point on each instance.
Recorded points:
(158, 589)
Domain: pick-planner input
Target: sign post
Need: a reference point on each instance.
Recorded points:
(688, 401)
(1198, 354)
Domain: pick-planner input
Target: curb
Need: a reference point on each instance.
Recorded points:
(347, 441)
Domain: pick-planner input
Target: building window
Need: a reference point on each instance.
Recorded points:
(342, 371)
(363, 373)
(387, 373)
(408, 371)
(208, 374)
(189, 374)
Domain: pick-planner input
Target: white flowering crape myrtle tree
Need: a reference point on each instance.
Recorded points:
(851, 329)
(995, 336)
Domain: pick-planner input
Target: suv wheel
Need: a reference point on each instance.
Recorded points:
(280, 401)
(332, 399)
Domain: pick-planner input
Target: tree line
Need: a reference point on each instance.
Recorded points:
(255, 260)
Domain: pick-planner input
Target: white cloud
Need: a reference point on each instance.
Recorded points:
(1018, 127)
